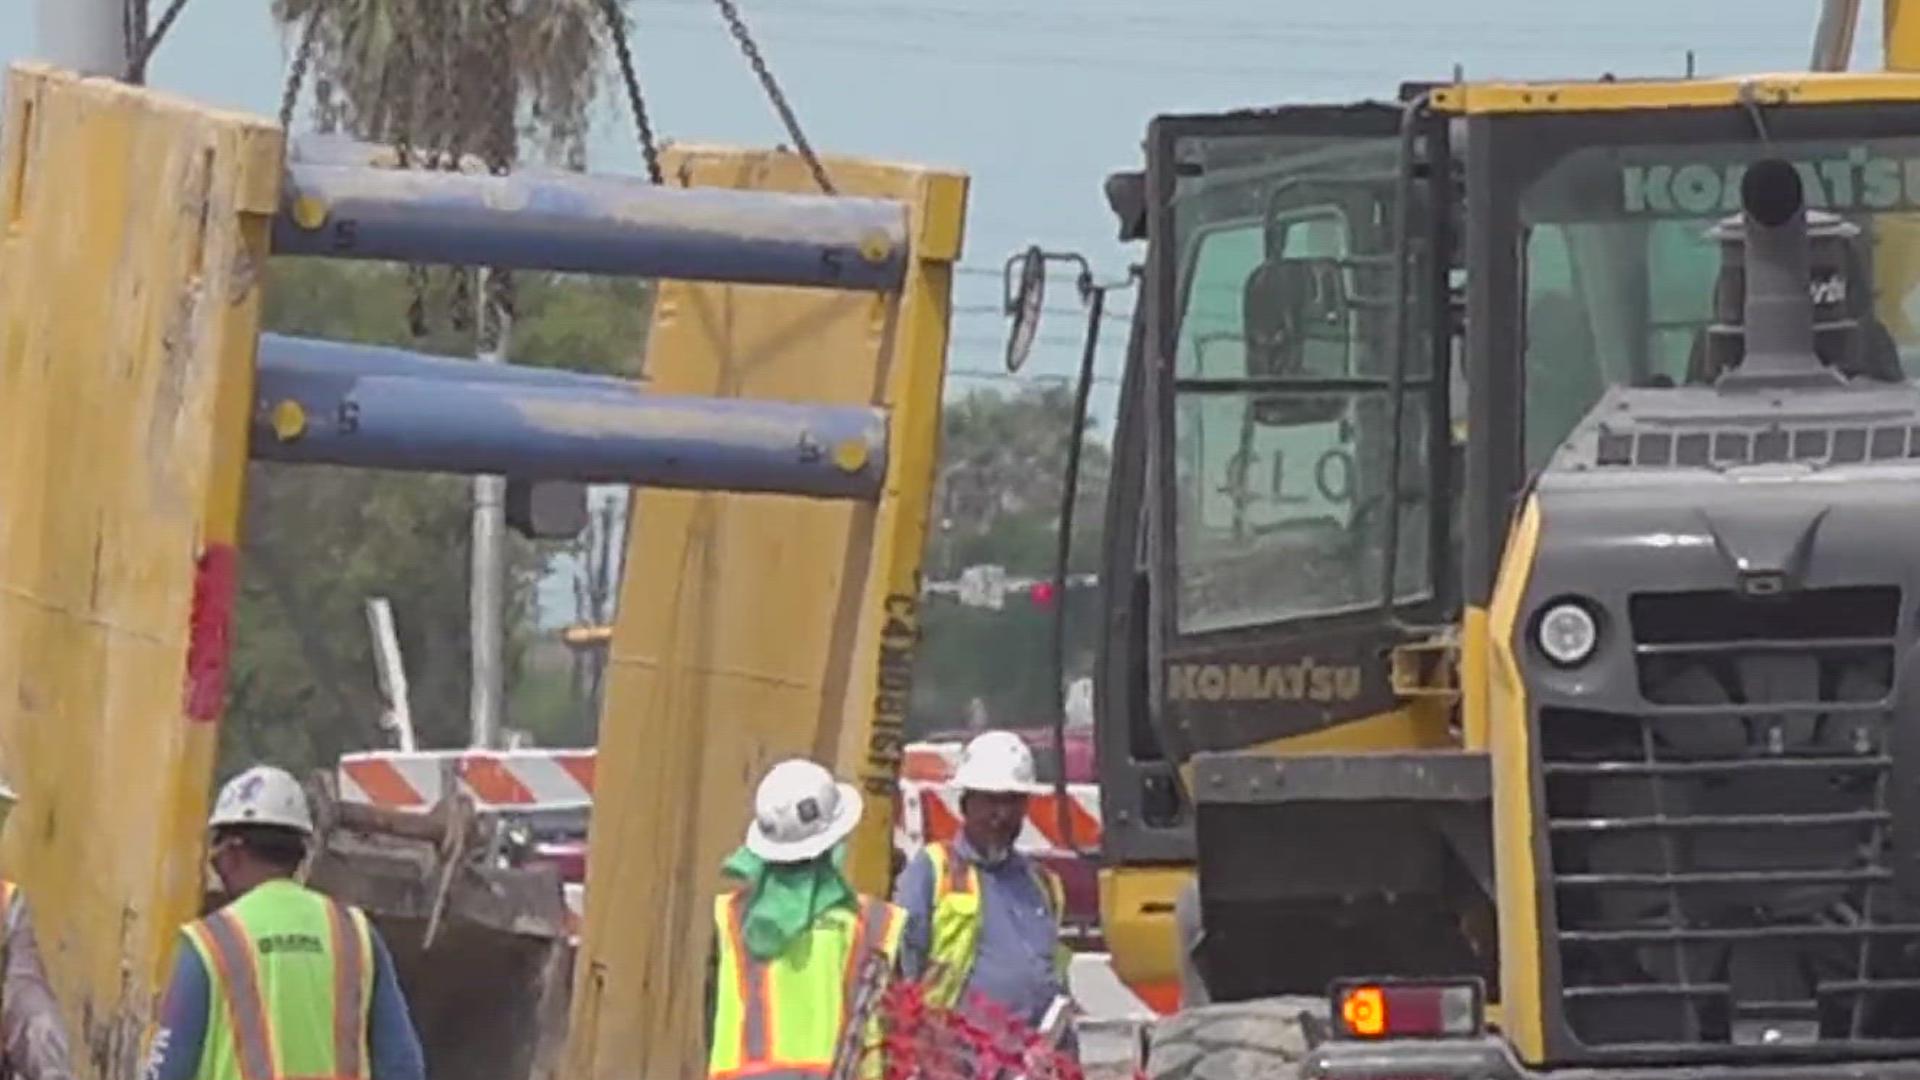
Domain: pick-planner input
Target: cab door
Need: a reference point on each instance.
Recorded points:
(1278, 327)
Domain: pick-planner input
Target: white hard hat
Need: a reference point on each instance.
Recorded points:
(800, 812)
(263, 795)
(997, 761)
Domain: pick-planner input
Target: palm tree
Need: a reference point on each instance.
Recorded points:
(445, 78)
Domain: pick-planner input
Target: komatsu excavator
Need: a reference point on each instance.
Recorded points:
(1510, 606)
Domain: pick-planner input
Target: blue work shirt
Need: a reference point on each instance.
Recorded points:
(393, 1047)
(1013, 963)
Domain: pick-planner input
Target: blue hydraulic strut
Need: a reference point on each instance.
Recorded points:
(578, 223)
(326, 403)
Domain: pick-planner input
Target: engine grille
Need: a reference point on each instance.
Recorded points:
(1720, 863)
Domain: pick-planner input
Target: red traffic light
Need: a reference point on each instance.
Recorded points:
(1041, 594)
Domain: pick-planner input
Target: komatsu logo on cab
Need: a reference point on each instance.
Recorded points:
(1855, 180)
(1304, 680)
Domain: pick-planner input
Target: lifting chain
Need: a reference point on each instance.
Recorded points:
(446, 130)
(144, 37)
(622, 51)
(400, 101)
(501, 122)
(302, 58)
(738, 27)
(135, 21)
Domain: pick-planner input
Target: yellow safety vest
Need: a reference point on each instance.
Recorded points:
(292, 982)
(782, 1018)
(954, 937)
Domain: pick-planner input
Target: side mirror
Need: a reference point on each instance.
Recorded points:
(1024, 288)
(1296, 319)
(1127, 198)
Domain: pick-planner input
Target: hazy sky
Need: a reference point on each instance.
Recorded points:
(1039, 99)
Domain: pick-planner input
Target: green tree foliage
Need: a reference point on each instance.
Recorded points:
(997, 501)
(320, 541)
(1003, 461)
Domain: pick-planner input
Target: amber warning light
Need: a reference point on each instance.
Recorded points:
(1407, 1010)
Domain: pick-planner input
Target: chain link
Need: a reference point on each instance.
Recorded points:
(738, 26)
(302, 58)
(623, 51)
(502, 124)
(144, 40)
(439, 125)
(400, 82)
(446, 129)
(134, 24)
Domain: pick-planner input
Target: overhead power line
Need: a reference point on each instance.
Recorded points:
(1250, 66)
(1061, 313)
(981, 374)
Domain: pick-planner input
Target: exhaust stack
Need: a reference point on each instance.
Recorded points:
(1779, 309)
(1781, 305)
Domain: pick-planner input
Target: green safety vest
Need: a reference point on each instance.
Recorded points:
(292, 983)
(781, 1019)
(954, 937)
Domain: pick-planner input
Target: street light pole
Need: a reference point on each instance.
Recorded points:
(87, 36)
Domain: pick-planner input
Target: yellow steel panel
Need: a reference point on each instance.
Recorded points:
(135, 226)
(1513, 810)
(1474, 719)
(1900, 35)
(756, 627)
(1791, 88)
(1136, 915)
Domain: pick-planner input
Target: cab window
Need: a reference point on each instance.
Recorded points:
(1281, 416)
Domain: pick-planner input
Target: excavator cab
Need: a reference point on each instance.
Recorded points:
(1502, 615)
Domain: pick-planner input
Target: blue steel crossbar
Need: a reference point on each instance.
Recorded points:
(336, 404)
(591, 224)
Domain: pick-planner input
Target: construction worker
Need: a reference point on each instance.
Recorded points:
(983, 919)
(33, 1038)
(282, 981)
(796, 949)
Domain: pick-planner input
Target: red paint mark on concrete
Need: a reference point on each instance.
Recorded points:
(210, 632)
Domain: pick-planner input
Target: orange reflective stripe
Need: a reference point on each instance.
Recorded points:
(959, 871)
(225, 940)
(756, 1013)
(349, 1001)
(772, 1071)
(869, 936)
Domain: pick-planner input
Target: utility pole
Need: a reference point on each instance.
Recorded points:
(487, 594)
(87, 36)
